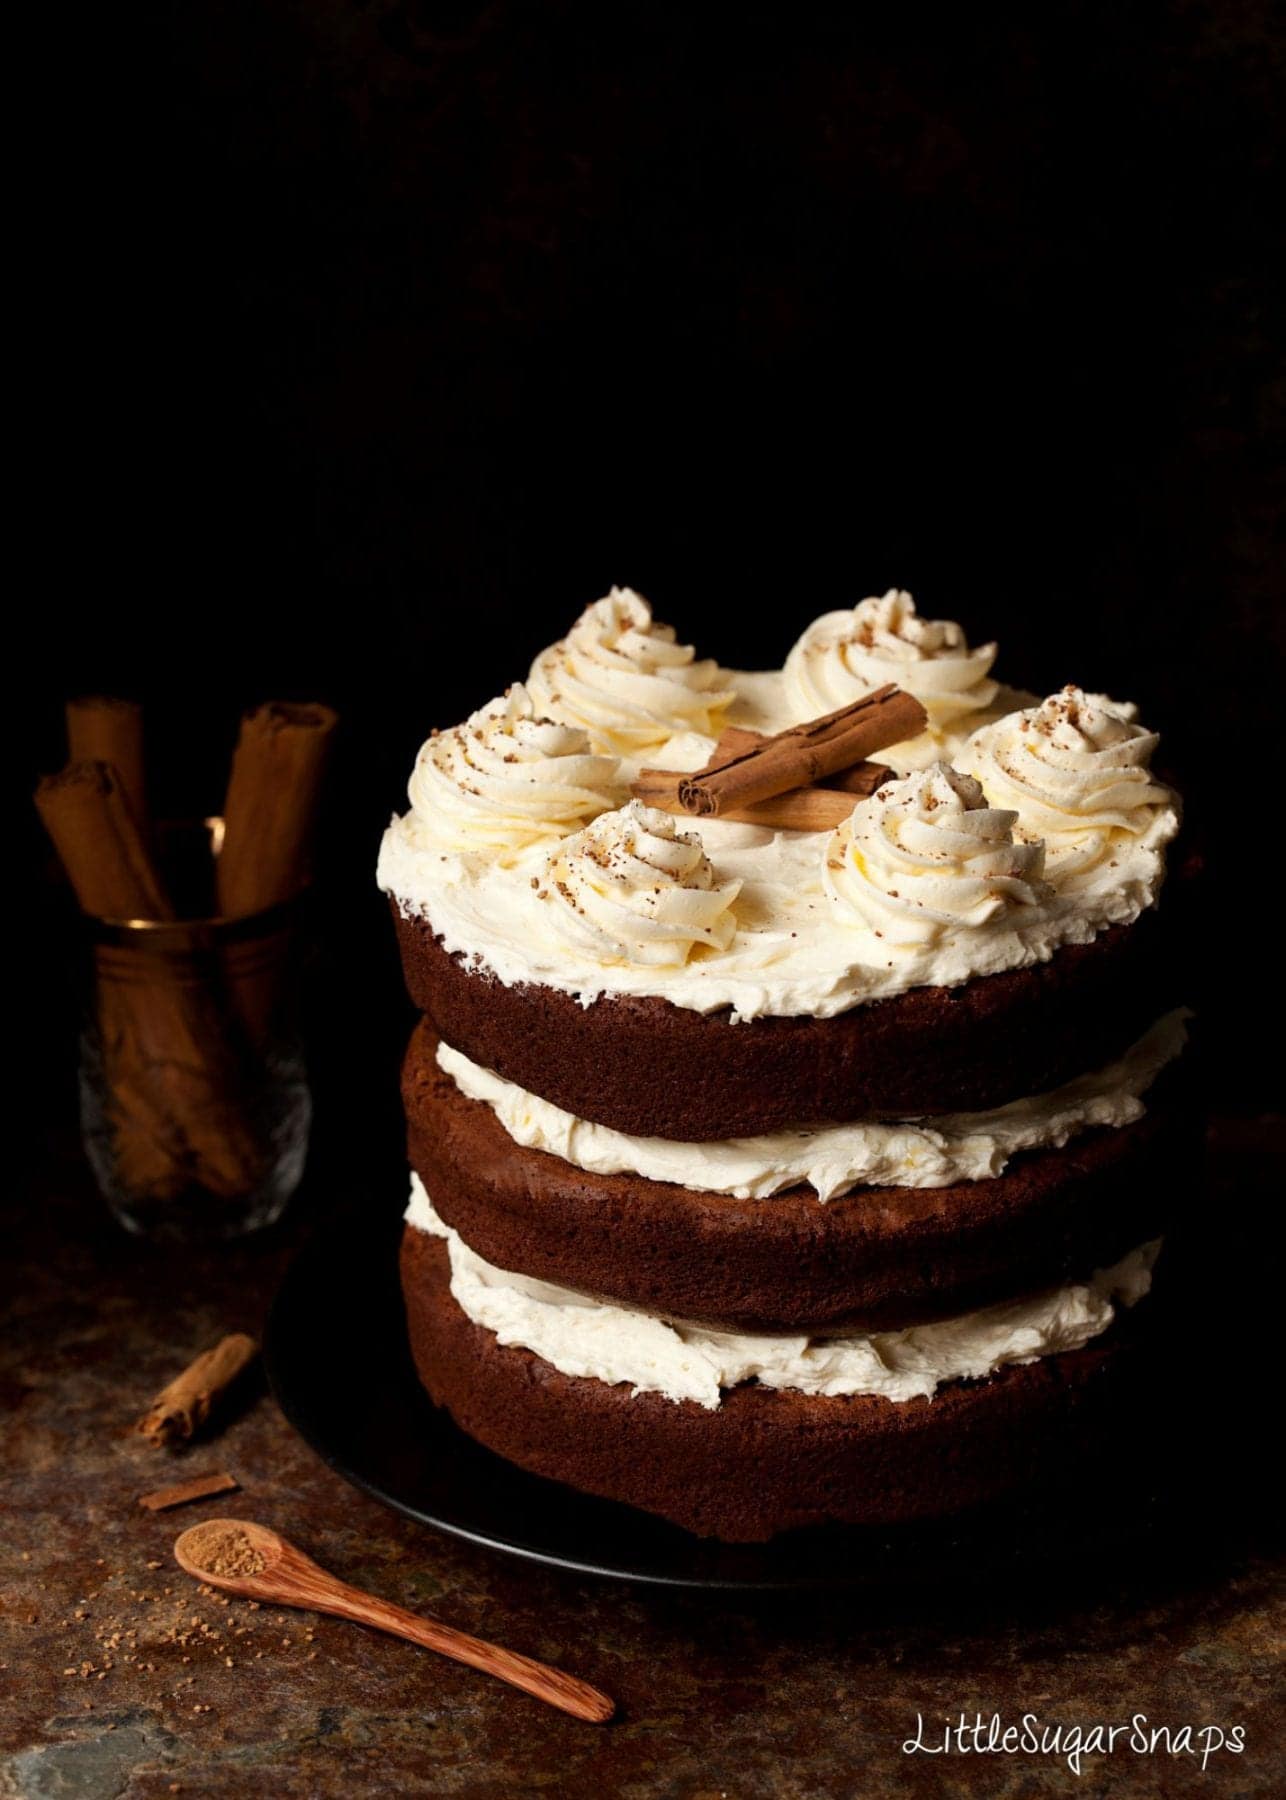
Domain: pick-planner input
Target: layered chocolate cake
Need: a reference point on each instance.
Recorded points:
(792, 1135)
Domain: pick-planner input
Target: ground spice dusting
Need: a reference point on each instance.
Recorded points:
(223, 1549)
(161, 1644)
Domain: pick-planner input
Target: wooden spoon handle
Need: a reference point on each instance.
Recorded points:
(553, 1686)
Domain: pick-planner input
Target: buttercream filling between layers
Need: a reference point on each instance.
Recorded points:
(914, 1153)
(598, 1340)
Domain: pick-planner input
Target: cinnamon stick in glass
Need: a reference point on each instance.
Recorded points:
(271, 805)
(101, 728)
(269, 817)
(88, 813)
(175, 1111)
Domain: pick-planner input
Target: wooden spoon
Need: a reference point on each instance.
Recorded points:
(286, 1577)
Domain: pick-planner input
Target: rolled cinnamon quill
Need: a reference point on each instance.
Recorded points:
(820, 807)
(800, 809)
(170, 1080)
(184, 1405)
(862, 779)
(173, 1084)
(268, 823)
(88, 814)
(271, 805)
(805, 754)
(103, 729)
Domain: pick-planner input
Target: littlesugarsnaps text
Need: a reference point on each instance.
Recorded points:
(983, 1735)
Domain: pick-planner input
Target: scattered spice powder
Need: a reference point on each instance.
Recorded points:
(162, 1643)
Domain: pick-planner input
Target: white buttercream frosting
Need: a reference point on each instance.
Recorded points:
(926, 856)
(623, 677)
(914, 1153)
(507, 779)
(846, 654)
(634, 889)
(806, 941)
(1075, 769)
(596, 1339)
(796, 951)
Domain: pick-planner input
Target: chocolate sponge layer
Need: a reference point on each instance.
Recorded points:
(765, 1461)
(875, 1259)
(645, 1066)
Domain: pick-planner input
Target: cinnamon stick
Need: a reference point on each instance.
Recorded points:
(201, 1487)
(820, 807)
(802, 809)
(735, 740)
(103, 729)
(174, 1087)
(88, 814)
(169, 1076)
(182, 1407)
(804, 754)
(862, 779)
(271, 805)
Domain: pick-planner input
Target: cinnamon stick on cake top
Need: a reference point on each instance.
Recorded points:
(805, 753)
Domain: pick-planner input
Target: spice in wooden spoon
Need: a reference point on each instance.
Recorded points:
(258, 1564)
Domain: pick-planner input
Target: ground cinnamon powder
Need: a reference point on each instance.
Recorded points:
(223, 1549)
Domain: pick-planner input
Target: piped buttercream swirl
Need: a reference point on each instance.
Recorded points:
(621, 676)
(927, 856)
(846, 654)
(633, 889)
(1075, 769)
(506, 779)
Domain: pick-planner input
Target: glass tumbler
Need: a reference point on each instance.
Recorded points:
(194, 1100)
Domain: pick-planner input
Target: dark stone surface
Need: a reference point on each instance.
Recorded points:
(807, 1699)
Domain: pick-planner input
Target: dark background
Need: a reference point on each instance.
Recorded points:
(393, 333)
